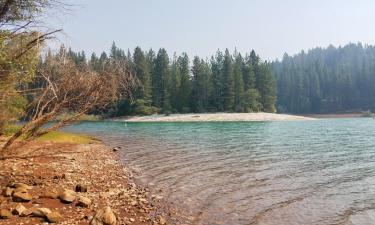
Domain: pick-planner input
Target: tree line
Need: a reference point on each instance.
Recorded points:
(327, 80)
(225, 82)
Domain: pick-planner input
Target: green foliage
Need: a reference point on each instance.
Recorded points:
(142, 107)
(227, 82)
(327, 80)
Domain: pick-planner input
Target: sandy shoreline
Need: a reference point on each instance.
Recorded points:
(207, 117)
(54, 167)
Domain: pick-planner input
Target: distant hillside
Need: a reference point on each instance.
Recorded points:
(327, 80)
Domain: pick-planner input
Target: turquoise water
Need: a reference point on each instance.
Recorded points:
(308, 172)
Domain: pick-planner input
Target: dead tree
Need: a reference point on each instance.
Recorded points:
(68, 88)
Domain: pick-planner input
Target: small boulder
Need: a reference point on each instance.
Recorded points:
(5, 214)
(81, 188)
(28, 212)
(67, 196)
(104, 216)
(7, 192)
(19, 209)
(19, 185)
(54, 217)
(84, 202)
(41, 212)
(21, 197)
(50, 194)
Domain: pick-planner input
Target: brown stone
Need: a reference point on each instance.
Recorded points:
(54, 217)
(7, 192)
(84, 202)
(19, 209)
(19, 185)
(21, 197)
(50, 194)
(81, 188)
(41, 212)
(28, 211)
(5, 214)
(104, 216)
(67, 196)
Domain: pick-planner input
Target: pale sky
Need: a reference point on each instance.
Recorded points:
(200, 27)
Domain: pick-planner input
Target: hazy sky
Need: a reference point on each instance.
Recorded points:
(200, 27)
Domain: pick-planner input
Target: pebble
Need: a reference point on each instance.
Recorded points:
(5, 214)
(67, 196)
(18, 209)
(84, 202)
(21, 197)
(81, 188)
(104, 216)
(54, 217)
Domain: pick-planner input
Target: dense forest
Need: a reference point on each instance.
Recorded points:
(327, 80)
(223, 83)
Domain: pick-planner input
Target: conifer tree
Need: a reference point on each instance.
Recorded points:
(228, 82)
(160, 81)
(238, 83)
(183, 103)
(142, 73)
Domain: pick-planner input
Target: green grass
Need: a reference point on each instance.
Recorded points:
(55, 136)
(11, 129)
(58, 136)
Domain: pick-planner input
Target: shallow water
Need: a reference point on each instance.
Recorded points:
(274, 173)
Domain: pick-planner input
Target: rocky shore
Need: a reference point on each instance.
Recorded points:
(62, 183)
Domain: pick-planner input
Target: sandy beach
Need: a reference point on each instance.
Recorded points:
(206, 117)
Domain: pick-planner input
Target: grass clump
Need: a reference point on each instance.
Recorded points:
(54, 136)
(63, 137)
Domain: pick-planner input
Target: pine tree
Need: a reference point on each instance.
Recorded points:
(174, 84)
(266, 87)
(142, 72)
(160, 81)
(217, 81)
(238, 84)
(183, 103)
(228, 84)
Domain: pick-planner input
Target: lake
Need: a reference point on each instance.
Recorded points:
(306, 172)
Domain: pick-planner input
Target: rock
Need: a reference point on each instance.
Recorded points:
(115, 149)
(21, 197)
(19, 185)
(104, 216)
(84, 202)
(50, 194)
(161, 220)
(81, 188)
(41, 212)
(7, 192)
(67, 196)
(20, 189)
(19, 209)
(54, 217)
(5, 214)
(28, 211)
